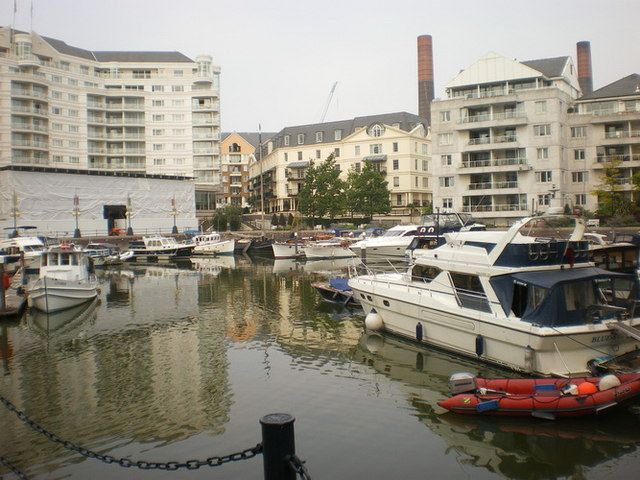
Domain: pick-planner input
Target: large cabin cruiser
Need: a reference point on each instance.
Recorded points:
(527, 299)
(152, 248)
(391, 243)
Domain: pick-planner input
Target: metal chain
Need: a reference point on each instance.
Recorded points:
(13, 468)
(297, 466)
(125, 462)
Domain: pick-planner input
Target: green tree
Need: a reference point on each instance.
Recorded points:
(322, 192)
(367, 192)
(282, 221)
(611, 201)
(290, 219)
(307, 198)
(274, 220)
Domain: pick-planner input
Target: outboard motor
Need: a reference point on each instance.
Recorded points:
(462, 382)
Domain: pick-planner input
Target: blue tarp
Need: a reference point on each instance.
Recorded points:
(341, 284)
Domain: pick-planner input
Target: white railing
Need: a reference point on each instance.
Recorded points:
(490, 185)
(28, 93)
(495, 116)
(622, 134)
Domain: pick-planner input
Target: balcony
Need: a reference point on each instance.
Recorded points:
(495, 139)
(29, 127)
(29, 110)
(609, 115)
(135, 151)
(496, 162)
(602, 159)
(505, 207)
(29, 160)
(496, 119)
(622, 134)
(28, 93)
(207, 106)
(492, 185)
(37, 144)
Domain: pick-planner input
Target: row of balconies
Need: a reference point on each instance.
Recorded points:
(117, 151)
(20, 92)
(625, 158)
(29, 160)
(30, 144)
(30, 109)
(493, 139)
(485, 117)
(115, 106)
(492, 185)
(116, 164)
(622, 134)
(29, 126)
(504, 207)
(496, 162)
(116, 120)
(115, 136)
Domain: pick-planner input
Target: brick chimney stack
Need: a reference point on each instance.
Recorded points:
(425, 76)
(585, 78)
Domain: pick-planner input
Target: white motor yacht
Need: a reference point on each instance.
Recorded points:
(392, 243)
(157, 247)
(31, 247)
(212, 244)
(336, 247)
(65, 280)
(527, 299)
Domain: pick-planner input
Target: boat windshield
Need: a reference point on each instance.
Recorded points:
(557, 228)
(398, 233)
(448, 220)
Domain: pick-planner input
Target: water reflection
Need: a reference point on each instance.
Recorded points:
(61, 322)
(514, 447)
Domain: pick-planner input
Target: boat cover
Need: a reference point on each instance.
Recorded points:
(341, 284)
(552, 309)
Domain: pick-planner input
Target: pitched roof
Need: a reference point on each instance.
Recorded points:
(65, 49)
(625, 87)
(549, 67)
(405, 121)
(251, 137)
(142, 57)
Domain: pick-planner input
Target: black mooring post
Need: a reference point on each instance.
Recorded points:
(278, 445)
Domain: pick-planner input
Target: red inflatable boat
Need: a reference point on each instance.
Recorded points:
(540, 397)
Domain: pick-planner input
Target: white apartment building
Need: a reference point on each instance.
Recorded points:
(499, 137)
(131, 114)
(604, 125)
(397, 143)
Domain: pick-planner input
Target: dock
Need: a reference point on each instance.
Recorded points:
(15, 304)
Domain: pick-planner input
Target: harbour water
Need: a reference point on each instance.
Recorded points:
(179, 362)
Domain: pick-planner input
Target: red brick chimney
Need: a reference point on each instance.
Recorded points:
(585, 78)
(425, 76)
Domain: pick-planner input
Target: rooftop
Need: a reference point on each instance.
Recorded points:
(625, 87)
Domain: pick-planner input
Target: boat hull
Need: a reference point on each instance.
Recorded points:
(287, 250)
(54, 295)
(327, 251)
(389, 249)
(517, 345)
(541, 397)
(225, 247)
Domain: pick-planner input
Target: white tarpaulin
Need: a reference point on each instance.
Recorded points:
(46, 200)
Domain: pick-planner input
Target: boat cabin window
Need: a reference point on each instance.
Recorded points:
(469, 292)
(424, 273)
(64, 259)
(74, 259)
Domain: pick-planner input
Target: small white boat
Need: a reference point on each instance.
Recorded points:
(212, 244)
(103, 254)
(65, 280)
(336, 247)
(393, 243)
(31, 247)
(287, 250)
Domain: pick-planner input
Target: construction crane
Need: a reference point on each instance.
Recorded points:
(326, 107)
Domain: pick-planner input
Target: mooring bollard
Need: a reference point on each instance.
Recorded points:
(278, 445)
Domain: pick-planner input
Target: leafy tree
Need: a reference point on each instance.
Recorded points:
(274, 220)
(307, 200)
(290, 219)
(367, 192)
(282, 221)
(427, 208)
(611, 201)
(322, 193)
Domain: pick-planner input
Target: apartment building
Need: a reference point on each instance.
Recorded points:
(236, 150)
(398, 144)
(499, 137)
(604, 126)
(126, 113)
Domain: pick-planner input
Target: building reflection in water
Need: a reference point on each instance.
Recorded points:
(513, 447)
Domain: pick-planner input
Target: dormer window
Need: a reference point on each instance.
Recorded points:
(376, 130)
(300, 138)
(319, 137)
(337, 134)
(286, 140)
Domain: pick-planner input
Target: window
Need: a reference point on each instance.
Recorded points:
(542, 130)
(158, 131)
(157, 147)
(142, 74)
(74, 159)
(579, 177)
(73, 128)
(56, 126)
(396, 181)
(543, 153)
(178, 161)
(300, 138)
(543, 176)
(73, 97)
(579, 154)
(157, 103)
(415, 164)
(425, 165)
(581, 199)
(56, 142)
(299, 155)
(544, 199)
(336, 152)
(157, 88)
(158, 118)
(57, 158)
(74, 144)
(416, 181)
(447, 203)
(56, 79)
(56, 95)
(445, 139)
(375, 148)
(396, 164)
(446, 182)
(177, 131)
(395, 146)
(286, 157)
(178, 146)
(358, 167)
(337, 134)
(357, 150)
(55, 110)
(445, 116)
(158, 161)
(72, 81)
(84, 69)
(73, 113)
(318, 137)
(425, 149)
(399, 199)
(470, 292)
(286, 140)
(376, 130)
(318, 154)
(425, 182)
(178, 73)
(177, 102)
(578, 132)
(446, 160)
(541, 106)
(177, 88)
(177, 117)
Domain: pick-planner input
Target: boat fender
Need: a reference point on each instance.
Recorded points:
(419, 332)
(479, 345)
(587, 388)
(607, 382)
(373, 321)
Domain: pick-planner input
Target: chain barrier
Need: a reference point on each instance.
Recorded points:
(125, 462)
(13, 468)
(297, 466)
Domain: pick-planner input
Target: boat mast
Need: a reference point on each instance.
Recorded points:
(261, 179)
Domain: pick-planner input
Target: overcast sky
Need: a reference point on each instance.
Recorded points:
(279, 58)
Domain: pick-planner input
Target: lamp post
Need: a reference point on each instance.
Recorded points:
(174, 213)
(15, 213)
(76, 213)
(128, 213)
